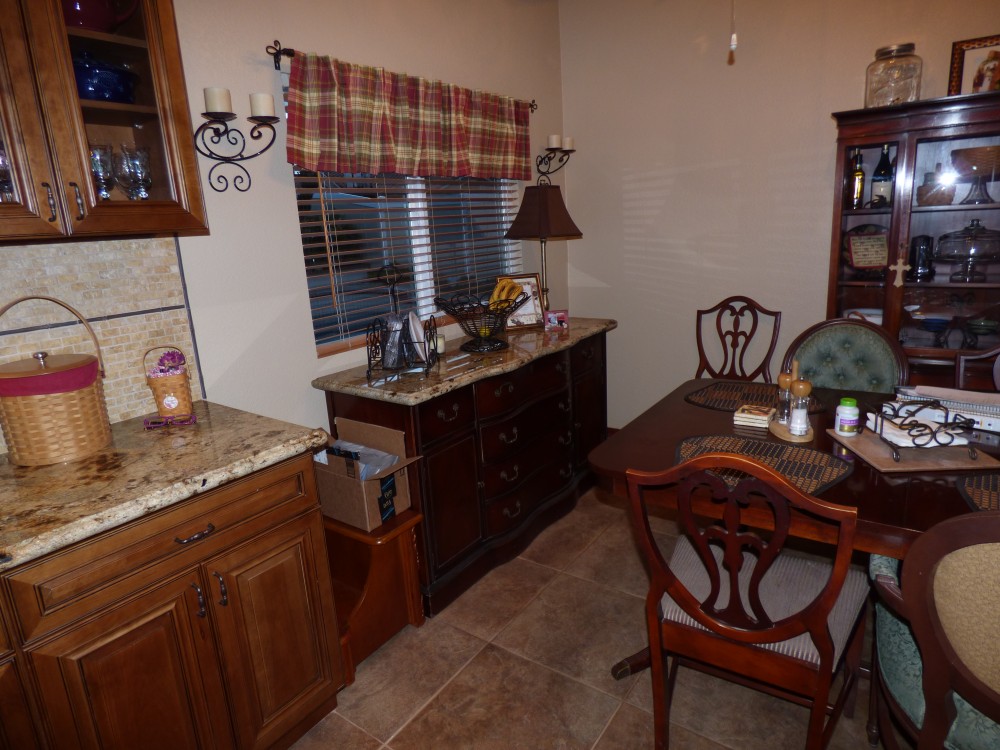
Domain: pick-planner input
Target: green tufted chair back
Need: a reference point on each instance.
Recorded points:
(849, 355)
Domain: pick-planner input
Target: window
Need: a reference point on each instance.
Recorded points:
(435, 236)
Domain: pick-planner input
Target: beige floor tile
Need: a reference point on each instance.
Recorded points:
(579, 628)
(493, 602)
(562, 542)
(397, 680)
(334, 731)
(501, 701)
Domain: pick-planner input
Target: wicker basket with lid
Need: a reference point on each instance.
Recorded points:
(52, 406)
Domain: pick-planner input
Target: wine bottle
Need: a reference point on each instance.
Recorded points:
(882, 180)
(856, 187)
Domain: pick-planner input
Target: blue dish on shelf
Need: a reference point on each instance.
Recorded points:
(103, 81)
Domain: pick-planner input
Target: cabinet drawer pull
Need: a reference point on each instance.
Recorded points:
(196, 536)
(513, 513)
(201, 600)
(444, 417)
(566, 439)
(508, 386)
(561, 368)
(564, 406)
(224, 601)
(51, 199)
(587, 353)
(517, 473)
(79, 201)
(508, 440)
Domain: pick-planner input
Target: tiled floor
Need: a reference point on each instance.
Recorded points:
(522, 660)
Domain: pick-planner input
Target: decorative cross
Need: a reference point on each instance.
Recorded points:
(900, 267)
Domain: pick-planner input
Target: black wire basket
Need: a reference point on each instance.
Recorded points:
(481, 319)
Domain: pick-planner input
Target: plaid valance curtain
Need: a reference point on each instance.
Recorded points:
(359, 119)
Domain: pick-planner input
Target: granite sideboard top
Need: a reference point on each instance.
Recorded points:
(457, 368)
(44, 508)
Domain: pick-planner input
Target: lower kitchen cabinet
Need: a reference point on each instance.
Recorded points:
(16, 729)
(210, 624)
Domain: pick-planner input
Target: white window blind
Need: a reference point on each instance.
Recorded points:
(439, 236)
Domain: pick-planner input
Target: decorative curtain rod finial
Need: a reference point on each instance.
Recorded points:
(277, 52)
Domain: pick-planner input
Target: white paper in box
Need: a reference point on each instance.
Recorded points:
(356, 502)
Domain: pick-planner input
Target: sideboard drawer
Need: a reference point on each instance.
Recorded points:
(446, 415)
(506, 437)
(587, 355)
(505, 476)
(509, 511)
(502, 393)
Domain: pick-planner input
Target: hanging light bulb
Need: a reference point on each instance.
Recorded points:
(732, 35)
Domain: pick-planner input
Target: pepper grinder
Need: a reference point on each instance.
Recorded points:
(798, 423)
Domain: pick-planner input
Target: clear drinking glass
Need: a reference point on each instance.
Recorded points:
(6, 183)
(100, 169)
(132, 171)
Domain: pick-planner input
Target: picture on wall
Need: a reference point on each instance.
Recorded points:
(975, 66)
(530, 313)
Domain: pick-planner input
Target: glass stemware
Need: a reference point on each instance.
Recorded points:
(132, 171)
(100, 169)
(6, 183)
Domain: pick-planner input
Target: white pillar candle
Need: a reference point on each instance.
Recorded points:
(555, 141)
(567, 143)
(440, 343)
(261, 105)
(218, 100)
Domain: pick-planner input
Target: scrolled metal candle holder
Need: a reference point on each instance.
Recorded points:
(217, 132)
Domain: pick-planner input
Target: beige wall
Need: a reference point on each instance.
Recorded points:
(695, 180)
(246, 281)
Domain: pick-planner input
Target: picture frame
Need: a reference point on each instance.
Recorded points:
(556, 320)
(868, 250)
(528, 315)
(975, 66)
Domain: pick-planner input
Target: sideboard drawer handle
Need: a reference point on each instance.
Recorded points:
(508, 386)
(508, 479)
(445, 418)
(513, 513)
(566, 439)
(564, 406)
(566, 472)
(561, 368)
(509, 440)
(196, 536)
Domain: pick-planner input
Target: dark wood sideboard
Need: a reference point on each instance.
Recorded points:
(504, 439)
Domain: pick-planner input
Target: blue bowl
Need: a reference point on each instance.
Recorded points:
(935, 325)
(103, 81)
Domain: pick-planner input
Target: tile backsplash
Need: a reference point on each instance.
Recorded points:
(130, 291)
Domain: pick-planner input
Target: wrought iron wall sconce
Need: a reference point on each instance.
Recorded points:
(556, 157)
(227, 145)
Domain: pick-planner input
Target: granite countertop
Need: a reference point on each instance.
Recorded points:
(44, 508)
(456, 368)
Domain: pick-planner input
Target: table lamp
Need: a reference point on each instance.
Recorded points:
(543, 216)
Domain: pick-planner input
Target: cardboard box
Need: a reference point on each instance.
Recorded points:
(364, 504)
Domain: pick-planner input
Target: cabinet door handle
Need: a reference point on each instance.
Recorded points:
(508, 440)
(79, 201)
(445, 418)
(513, 513)
(564, 406)
(224, 601)
(201, 599)
(566, 472)
(51, 199)
(561, 368)
(508, 386)
(517, 473)
(566, 439)
(196, 536)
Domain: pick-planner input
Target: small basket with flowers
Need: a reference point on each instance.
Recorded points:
(170, 381)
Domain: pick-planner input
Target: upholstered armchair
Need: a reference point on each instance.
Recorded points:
(851, 355)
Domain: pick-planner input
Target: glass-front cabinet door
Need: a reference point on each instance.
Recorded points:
(916, 230)
(114, 107)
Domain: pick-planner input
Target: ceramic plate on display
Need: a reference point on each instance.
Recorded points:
(417, 335)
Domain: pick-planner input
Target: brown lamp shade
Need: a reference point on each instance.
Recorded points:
(543, 216)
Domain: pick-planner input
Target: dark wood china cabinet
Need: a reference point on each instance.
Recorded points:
(940, 216)
(135, 100)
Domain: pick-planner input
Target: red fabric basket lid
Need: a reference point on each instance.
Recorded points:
(62, 373)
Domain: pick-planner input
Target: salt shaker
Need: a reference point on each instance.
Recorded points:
(798, 422)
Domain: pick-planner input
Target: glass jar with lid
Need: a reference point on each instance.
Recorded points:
(893, 77)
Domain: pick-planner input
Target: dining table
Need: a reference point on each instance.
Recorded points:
(895, 504)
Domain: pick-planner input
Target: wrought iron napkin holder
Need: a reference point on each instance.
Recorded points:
(937, 430)
(407, 358)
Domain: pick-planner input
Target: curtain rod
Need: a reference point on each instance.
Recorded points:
(277, 52)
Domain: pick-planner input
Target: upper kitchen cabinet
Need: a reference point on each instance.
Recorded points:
(95, 132)
(916, 227)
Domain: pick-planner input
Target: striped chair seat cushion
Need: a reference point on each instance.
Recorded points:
(791, 584)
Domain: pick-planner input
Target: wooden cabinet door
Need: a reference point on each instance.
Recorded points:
(143, 675)
(453, 514)
(151, 116)
(28, 188)
(272, 602)
(16, 730)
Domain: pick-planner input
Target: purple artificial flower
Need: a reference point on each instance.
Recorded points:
(170, 362)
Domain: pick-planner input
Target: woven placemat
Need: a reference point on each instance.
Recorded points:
(810, 470)
(981, 491)
(728, 395)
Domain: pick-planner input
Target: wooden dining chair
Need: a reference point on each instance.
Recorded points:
(737, 604)
(726, 332)
(850, 355)
(937, 664)
(964, 358)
